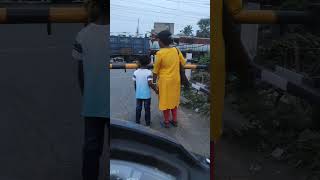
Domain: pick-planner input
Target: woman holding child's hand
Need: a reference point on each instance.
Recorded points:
(167, 71)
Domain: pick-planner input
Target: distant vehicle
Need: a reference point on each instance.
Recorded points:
(195, 45)
(117, 59)
(129, 47)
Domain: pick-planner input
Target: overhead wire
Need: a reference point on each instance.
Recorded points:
(168, 8)
(128, 10)
(159, 12)
(191, 3)
(124, 18)
(135, 18)
(129, 14)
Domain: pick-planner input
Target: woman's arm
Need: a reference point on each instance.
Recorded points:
(181, 58)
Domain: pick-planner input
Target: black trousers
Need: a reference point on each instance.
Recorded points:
(93, 148)
(146, 103)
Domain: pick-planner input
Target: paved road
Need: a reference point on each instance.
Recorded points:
(192, 132)
(40, 126)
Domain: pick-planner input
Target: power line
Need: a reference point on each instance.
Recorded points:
(143, 22)
(191, 3)
(130, 9)
(144, 25)
(127, 13)
(129, 16)
(155, 18)
(199, 3)
(162, 14)
(168, 8)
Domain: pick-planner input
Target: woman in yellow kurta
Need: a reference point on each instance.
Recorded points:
(167, 71)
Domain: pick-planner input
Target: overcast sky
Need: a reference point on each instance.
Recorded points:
(125, 14)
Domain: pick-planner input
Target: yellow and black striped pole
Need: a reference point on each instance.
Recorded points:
(217, 71)
(242, 16)
(42, 14)
(136, 66)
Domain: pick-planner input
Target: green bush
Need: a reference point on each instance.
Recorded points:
(196, 101)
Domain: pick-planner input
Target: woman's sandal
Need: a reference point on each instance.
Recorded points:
(174, 123)
(166, 125)
(163, 124)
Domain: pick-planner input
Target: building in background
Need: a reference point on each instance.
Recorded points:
(158, 27)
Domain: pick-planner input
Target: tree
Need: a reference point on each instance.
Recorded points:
(204, 25)
(187, 31)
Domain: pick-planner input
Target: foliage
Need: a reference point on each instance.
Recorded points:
(204, 25)
(187, 31)
(202, 76)
(205, 60)
(278, 120)
(304, 151)
(282, 50)
(196, 101)
(284, 124)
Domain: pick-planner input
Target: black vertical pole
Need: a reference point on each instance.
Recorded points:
(104, 9)
(49, 28)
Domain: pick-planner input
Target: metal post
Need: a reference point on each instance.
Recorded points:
(217, 72)
(239, 15)
(237, 56)
(103, 4)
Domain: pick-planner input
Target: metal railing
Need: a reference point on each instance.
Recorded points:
(42, 14)
(243, 16)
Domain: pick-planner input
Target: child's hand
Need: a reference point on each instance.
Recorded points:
(156, 90)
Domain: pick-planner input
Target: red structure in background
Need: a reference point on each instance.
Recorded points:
(191, 40)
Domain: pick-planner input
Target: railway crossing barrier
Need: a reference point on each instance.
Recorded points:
(42, 14)
(136, 66)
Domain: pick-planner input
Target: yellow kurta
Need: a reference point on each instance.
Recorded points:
(167, 67)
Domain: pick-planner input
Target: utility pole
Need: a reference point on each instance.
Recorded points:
(137, 33)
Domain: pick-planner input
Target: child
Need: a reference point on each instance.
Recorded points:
(142, 78)
(91, 51)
